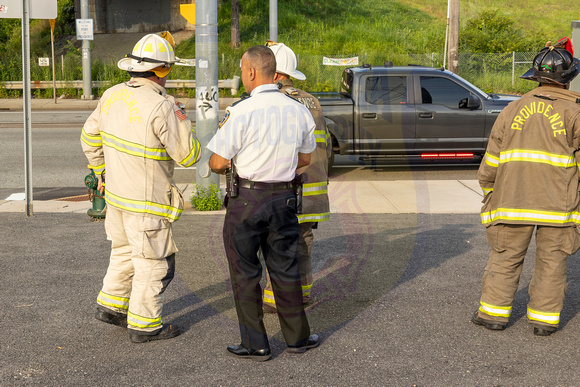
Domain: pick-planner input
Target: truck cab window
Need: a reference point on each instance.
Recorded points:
(442, 91)
(386, 90)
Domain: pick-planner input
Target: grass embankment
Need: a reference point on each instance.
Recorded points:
(374, 31)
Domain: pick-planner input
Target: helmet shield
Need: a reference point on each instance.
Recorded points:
(553, 65)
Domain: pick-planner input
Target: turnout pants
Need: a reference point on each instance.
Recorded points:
(305, 239)
(266, 220)
(547, 288)
(141, 266)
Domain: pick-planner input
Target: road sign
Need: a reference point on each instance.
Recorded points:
(43, 62)
(84, 29)
(187, 11)
(39, 9)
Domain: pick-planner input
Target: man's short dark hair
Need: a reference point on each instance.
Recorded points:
(262, 59)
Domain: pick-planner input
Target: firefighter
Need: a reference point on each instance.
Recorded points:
(315, 204)
(529, 176)
(131, 141)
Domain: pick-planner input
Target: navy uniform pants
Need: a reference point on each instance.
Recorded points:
(265, 219)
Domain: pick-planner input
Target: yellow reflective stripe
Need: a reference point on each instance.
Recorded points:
(113, 301)
(269, 297)
(530, 215)
(134, 149)
(302, 218)
(491, 160)
(310, 189)
(143, 206)
(320, 135)
(486, 190)
(533, 156)
(90, 140)
(306, 290)
(494, 310)
(548, 318)
(193, 156)
(99, 169)
(143, 322)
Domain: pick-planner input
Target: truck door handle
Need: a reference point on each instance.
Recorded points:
(426, 115)
(369, 115)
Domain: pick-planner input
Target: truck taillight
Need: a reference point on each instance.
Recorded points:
(447, 155)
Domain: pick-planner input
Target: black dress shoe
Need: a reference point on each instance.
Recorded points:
(111, 317)
(489, 324)
(311, 342)
(542, 330)
(167, 331)
(244, 353)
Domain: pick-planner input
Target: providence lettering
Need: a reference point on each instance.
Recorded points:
(544, 109)
(128, 98)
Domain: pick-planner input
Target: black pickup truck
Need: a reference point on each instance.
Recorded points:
(410, 111)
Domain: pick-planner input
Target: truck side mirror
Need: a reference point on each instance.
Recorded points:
(473, 102)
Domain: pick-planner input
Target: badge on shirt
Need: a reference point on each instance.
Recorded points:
(224, 119)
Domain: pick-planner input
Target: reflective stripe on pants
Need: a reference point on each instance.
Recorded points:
(547, 288)
(141, 266)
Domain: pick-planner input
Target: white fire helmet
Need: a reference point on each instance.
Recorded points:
(153, 52)
(285, 60)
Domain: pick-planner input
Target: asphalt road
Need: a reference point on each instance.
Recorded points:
(393, 295)
(58, 161)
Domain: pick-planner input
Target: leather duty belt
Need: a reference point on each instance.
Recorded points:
(265, 186)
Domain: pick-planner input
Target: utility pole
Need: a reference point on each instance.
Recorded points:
(575, 84)
(206, 78)
(86, 61)
(453, 53)
(274, 20)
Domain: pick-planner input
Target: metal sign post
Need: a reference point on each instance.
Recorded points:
(52, 21)
(85, 33)
(26, 108)
(26, 10)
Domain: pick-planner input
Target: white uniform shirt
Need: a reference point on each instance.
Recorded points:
(263, 135)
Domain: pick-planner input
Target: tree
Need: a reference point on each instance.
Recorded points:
(235, 40)
(490, 31)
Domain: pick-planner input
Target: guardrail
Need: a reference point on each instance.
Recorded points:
(232, 84)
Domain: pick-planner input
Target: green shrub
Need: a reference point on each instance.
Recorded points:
(207, 199)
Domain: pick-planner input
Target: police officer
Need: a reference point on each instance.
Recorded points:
(135, 134)
(529, 176)
(267, 137)
(315, 205)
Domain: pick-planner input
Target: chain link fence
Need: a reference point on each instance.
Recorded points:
(495, 72)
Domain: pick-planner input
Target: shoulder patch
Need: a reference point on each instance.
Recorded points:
(132, 84)
(180, 111)
(224, 119)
